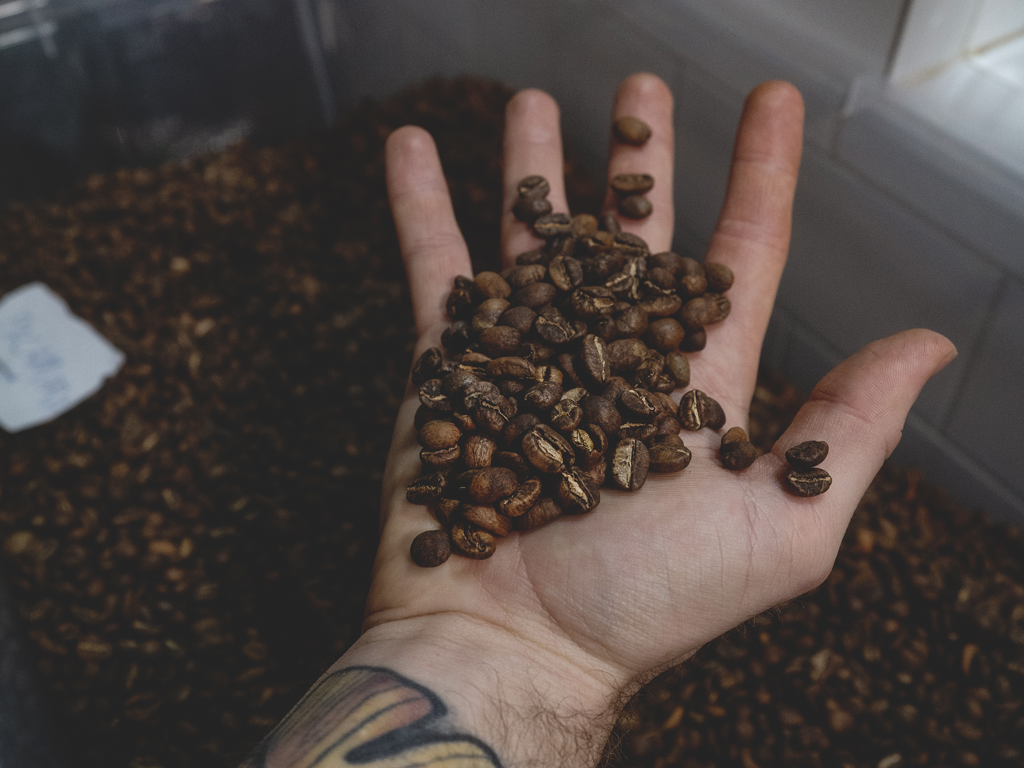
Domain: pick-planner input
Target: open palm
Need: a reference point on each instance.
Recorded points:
(648, 577)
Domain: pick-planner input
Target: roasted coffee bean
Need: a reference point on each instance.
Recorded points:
(546, 450)
(610, 223)
(477, 451)
(614, 388)
(629, 464)
(566, 416)
(603, 265)
(603, 413)
(455, 384)
(669, 426)
(593, 302)
(432, 396)
(808, 454)
(624, 355)
(572, 371)
(460, 303)
(524, 275)
(661, 306)
(485, 486)
(446, 510)
(427, 489)
(576, 494)
(473, 390)
(637, 403)
(623, 285)
(436, 435)
(590, 444)
(530, 258)
(491, 285)
(575, 394)
(697, 410)
(430, 549)
(486, 315)
(720, 277)
(668, 454)
(665, 334)
(463, 421)
(632, 183)
(632, 322)
(672, 262)
(490, 416)
(536, 352)
(512, 460)
(678, 366)
(631, 245)
(524, 497)
(631, 130)
(639, 430)
(500, 341)
(667, 407)
(511, 387)
(659, 282)
(552, 327)
(535, 295)
(808, 482)
(553, 225)
(521, 318)
(486, 517)
(472, 542)
(691, 278)
(635, 207)
(543, 396)
(533, 186)
(737, 452)
(565, 273)
(529, 209)
(427, 366)
(583, 225)
(512, 368)
(456, 336)
(594, 356)
(443, 458)
(561, 245)
(550, 373)
(544, 511)
(695, 340)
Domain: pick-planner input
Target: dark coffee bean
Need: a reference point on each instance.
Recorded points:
(566, 416)
(610, 223)
(432, 396)
(446, 510)
(512, 368)
(603, 413)
(632, 322)
(491, 285)
(808, 482)
(427, 366)
(454, 385)
(486, 315)
(553, 225)
(678, 366)
(629, 464)
(572, 371)
(484, 516)
(460, 303)
(614, 388)
(522, 276)
(463, 421)
(808, 454)
(661, 306)
(697, 410)
(546, 450)
(427, 489)
(472, 542)
(485, 486)
(594, 356)
(544, 511)
(669, 454)
(511, 387)
(576, 494)
(529, 209)
(524, 497)
(606, 328)
(737, 452)
(521, 318)
(669, 426)
(552, 327)
(533, 186)
(500, 341)
(583, 225)
(644, 432)
(719, 307)
(635, 207)
(535, 295)
(430, 549)
(646, 376)
(456, 336)
(565, 273)
(631, 245)
(624, 355)
(593, 302)
(659, 282)
(589, 443)
(637, 405)
(478, 450)
(436, 435)
(720, 277)
(512, 460)
(443, 458)
(691, 278)
(475, 390)
(529, 258)
(624, 285)
(543, 396)
(632, 183)
(550, 373)
(665, 334)
(536, 352)
(560, 245)
(672, 262)
(695, 341)
(603, 265)
(490, 415)
(631, 130)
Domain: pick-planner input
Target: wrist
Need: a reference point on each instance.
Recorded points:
(531, 704)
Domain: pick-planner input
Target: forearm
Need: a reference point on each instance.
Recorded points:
(445, 692)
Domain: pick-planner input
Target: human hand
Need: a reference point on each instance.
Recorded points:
(568, 617)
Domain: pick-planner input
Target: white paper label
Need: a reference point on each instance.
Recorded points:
(50, 360)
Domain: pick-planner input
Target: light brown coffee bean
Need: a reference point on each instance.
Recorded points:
(631, 130)
(624, 355)
(478, 450)
(808, 482)
(635, 207)
(444, 458)
(737, 452)
(546, 450)
(661, 306)
(594, 356)
(691, 278)
(629, 464)
(735, 435)
(697, 410)
(435, 435)
(486, 517)
(576, 494)
(470, 541)
(665, 334)
(669, 454)
(486, 314)
(589, 443)
(499, 341)
(524, 497)
(632, 183)
(430, 549)
(720, 277)
(566, 416)
(492, 285)
(807, 454)
(550, 373)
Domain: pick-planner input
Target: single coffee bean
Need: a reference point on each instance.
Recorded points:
(531, 257)
(521, 318)
(463, 421)
(629, 464)
(691, 278)
(576, 494)
(535, 295)
(427, 489)
(672, 262)
(492, 285)
(719, 307)
(624, 285)
(589, 443)
(632, 183)
(610, 223)
(665, 334)
(594, 356)
(632, 322)
(522, 276)
(445, 510)
(524, 497)
(566, 416)
(669, 426)
(720, 277)
(737, 452)
(669, 454)
(550, 373)
(565, 273)
(592, 302)
(808, 454)
(631, 245)
(533, 186)
(735, 435)
(697, 410)
(500, 341)
(603, 413)
(553, 225)
(808, 482)
(624, 355)
(512, 460)
(661, 306)
(427, 366)
(544, 511)
(603, 264)
(560, 245)
(511, 368)
(695, 340)
(659, 282)
(631, 130)
(614, 388)
(485, 486)
(484, 516)
(637, 405)
(639, 430)
(678, 366)
(552, 327)
(444, 458)
(478, 450)
(546, 450)
(490, 415)
(472, 542)
(435, 435)
(543, 396)
(635, 207)
(430, 549)
(432, 396)
(583, 225)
